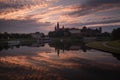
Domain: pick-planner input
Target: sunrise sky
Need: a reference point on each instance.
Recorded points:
(26, 16)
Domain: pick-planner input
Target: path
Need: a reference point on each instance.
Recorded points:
(105, 44)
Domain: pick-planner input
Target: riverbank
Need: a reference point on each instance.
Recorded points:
(25, 40)
(109, 46)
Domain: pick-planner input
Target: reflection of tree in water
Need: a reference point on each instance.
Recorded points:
(84, 48)
(117, 56)
(6, 46)
(1, 48)
(68, 46)
(59, 46)
(17, 46)
(73, 46)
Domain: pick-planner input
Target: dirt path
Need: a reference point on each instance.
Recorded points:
(105, 44)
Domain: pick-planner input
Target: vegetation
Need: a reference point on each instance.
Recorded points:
(112, 46)
(6, 35)
(116, 34)
(24, 38)
(99, 45)
(115, 44)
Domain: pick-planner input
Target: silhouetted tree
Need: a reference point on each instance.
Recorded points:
(6, 35)
(105, 34)
(116, 34)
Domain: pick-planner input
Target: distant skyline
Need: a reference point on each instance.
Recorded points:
(26, 16)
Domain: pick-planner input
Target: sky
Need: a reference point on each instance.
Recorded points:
(27, 16)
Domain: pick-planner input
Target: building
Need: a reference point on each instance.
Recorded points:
(88, 32)
(37, 35)
(57, 27)
(84, 32)
(74, 31)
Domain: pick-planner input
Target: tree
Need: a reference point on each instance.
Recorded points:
(6, 35)
(116, 34)
(105, 34)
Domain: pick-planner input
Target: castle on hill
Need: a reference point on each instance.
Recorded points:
(79, 32)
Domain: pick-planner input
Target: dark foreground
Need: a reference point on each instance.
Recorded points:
(48, 62)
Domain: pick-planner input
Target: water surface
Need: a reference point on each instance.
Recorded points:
(62, 62)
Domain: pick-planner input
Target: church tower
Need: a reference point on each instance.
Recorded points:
(58, 26)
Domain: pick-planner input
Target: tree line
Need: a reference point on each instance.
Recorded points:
(116, 34)
(6, 35)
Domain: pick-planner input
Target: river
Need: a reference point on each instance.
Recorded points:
(57, 62)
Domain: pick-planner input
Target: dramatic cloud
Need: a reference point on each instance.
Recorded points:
(23, 26)
(93, 6)
(18, 4)
(13, 9)
(42, 15)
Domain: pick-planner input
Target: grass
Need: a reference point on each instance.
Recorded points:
(115, 44)
(3, 41)
(99, 45)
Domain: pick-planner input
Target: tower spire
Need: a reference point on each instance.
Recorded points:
(58, 26)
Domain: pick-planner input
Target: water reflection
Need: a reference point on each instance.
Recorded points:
(68, 46)
(58, 47)
(7, 46)
(64, 61)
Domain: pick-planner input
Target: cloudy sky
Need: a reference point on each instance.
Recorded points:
(25, 16)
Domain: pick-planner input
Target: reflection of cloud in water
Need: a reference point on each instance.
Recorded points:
(47, 61)
(42, 62)
(46, 58)
(21, 60)
(26, 51)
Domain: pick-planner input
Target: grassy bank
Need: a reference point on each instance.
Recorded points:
(115, 44)
(100, 46)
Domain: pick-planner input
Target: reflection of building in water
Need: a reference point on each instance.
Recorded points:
(58, 51)
(60, 48)
(74, 47)
(37, 45)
